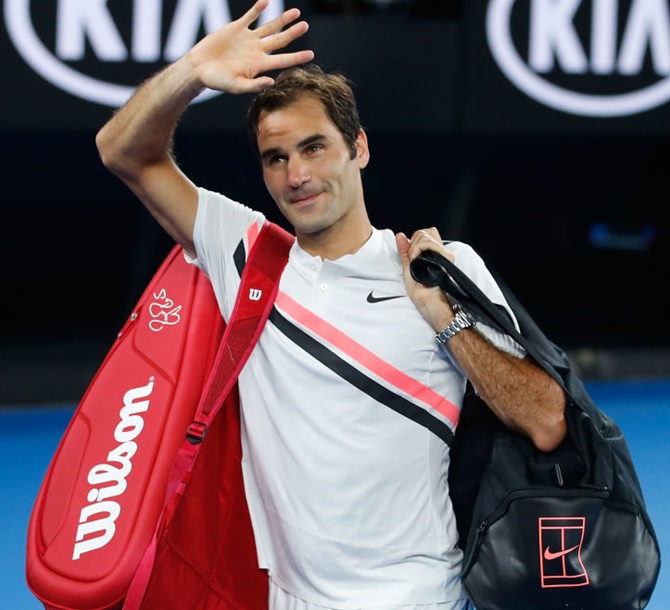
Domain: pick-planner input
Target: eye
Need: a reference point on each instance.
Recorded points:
(277, 159)
(314, 148)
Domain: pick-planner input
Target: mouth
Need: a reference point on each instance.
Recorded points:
(302, 199)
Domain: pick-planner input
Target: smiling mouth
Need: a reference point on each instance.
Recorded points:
(303, 199)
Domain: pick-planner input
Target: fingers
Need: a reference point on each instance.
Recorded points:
(274, 37)
(286, 60)
(424, 239)
(255, 85)
(253, 13)
(279, 40)
(428, 239)
(278, 23)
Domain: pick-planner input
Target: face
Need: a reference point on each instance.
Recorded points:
(308, 169)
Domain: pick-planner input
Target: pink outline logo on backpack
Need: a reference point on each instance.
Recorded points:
(561, 540)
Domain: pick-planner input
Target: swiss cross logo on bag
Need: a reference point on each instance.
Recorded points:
(561, 540)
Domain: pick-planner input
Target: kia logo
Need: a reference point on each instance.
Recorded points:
(624, 41)
(87, 30)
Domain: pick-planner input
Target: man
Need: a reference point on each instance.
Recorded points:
(349, 403)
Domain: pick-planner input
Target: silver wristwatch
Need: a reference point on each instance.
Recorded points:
(461, 321)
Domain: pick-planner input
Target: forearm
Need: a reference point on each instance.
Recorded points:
(232, 59)
(136, 143)
(520, 393)
(140, 134)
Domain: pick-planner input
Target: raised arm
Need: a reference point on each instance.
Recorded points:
(518, 391)
(136, 143)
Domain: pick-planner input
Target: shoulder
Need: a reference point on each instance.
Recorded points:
(458, 246)
(465, 255)
(222, 226)
(468, 260)
(216, 211)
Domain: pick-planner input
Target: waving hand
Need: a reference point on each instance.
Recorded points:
(234, 58)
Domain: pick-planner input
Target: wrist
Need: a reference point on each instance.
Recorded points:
(461, 320)
(184, 79)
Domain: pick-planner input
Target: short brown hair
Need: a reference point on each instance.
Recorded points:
(332, 89)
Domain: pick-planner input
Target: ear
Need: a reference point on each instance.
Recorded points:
(362, 150)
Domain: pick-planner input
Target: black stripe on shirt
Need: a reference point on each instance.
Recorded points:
(359, 380)
(240, 257)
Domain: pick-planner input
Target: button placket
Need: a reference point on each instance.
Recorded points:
(326, 280)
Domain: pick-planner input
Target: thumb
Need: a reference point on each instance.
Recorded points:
(403, 249)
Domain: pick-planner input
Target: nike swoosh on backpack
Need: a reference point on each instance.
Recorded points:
(549, 556)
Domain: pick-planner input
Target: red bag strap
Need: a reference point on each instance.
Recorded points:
(258, 290)
(257, 294)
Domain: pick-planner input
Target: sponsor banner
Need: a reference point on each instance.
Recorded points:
(72, 62)
(576, 66)
(505, 67)
(86, 49)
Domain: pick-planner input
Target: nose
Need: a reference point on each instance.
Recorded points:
(298, 172)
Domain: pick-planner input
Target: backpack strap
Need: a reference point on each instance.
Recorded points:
(432, 269)
(256, 296)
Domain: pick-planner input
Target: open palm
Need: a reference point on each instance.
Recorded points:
(235, 57)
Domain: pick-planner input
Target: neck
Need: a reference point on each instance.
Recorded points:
(338, 240)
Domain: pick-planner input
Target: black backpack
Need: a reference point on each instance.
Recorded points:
(565, 530)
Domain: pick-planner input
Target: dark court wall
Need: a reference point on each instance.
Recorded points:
(568, 207)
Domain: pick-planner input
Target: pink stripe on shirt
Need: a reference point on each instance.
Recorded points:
(252, 235)
(368, 359)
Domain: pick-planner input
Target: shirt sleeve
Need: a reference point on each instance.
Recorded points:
(472, 264)
(221, 225)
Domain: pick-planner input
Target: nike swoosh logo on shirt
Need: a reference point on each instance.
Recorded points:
(373, 299)
(549, 555)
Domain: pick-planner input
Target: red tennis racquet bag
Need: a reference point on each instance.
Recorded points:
(112, 526)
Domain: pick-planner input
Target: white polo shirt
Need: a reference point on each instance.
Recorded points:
(348, 409)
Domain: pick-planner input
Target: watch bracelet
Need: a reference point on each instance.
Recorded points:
(460, 322)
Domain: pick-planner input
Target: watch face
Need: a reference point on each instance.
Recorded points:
(465, 319)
